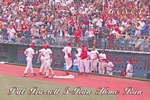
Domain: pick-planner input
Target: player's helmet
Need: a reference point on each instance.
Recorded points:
(31, 45)
(129, 60)
(47, 46)
(69, 43)
(82, 45)
(44, 45)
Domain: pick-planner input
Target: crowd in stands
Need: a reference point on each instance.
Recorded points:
(94, 19)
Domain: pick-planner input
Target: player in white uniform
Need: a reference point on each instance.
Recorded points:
(77, 55)
(102, 57)
(41, 57)
(67, 56)
(129, 69)
(94, 56)
(109, 67)
(29, 52)
(87, 66)
(48, 59)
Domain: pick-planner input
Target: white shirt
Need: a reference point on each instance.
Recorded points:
(67, 50)
(115, 32)
(102, 56)
(94, 54)
(47, 53)
(91, 33)
(29, 52)
(75, 61)
(122, 28)
(42, 52)
(79, 52)
(99, 22)
(11, 32)
(109, 66)
(129, 68)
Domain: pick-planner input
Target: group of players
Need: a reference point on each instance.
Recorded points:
(86, 61)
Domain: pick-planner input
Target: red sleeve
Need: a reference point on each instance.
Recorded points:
(69, 55)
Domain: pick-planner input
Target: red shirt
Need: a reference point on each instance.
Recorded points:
(83, 54)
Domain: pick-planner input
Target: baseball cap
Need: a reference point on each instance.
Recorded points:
(31, 45)
(69, 43)
(83, 45)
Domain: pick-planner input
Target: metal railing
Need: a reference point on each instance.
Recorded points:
(100, 43)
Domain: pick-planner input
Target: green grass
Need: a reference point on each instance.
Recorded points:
(7, 82)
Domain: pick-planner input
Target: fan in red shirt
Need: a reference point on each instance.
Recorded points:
(77, 36)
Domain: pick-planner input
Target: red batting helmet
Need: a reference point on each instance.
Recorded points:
(69, 43)
(106, 59)
(83, 45)
(129, 60)
(31, 45)
(44, 45)
(47, 46)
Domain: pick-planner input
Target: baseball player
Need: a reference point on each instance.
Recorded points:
(83, 60)
(41, 57)
(29, 52)
(109, 67)
(129, 69)
(87, 69)
(102, 57)
(47, 53)
(94, 55)
(77, 55)
(67, 56)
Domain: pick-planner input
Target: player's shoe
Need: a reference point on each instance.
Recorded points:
(46, 76)
(40, 73)
(67, 72)
(79, 73)
(33, 74)
(86, 74)
(25, 75)
(51, 76)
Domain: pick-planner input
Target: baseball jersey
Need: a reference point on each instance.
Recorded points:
(29, 52)
(42, 52)
(83, 54)
(109, 65)
(94, 54)
(102, 56)
(79, 53)
(67, 51)
(47, 53)
(129, 68)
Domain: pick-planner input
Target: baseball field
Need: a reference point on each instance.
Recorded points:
(13, 86)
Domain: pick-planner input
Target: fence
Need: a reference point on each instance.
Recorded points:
(101, 43)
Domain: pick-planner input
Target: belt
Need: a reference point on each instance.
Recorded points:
(47, 59)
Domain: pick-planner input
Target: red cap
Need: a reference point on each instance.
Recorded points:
(69, 43)
(44, 45)
(31, 45)
(47, 46)
(129, 60)
(107, 59)
(83, 45)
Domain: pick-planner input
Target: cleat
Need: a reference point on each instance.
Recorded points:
(33, 74)
(79, 73)
(46, 76)
(40, 73)
(51, 76)
(25, 75)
